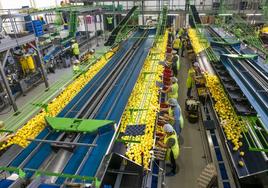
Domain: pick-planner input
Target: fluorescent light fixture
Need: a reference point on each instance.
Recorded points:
(253, 14)
(149, 15)
(173, 14)
(201, 14)
(225, 14)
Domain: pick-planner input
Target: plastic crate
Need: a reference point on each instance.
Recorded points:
(27, 18)
(169, 50)
(166, 79)
(164, 105)
(39, 34)
(168, 71)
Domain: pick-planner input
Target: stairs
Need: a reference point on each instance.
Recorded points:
(119, 27)
(195, 14)
(73, 24)
(191, 21)
(164, 21)
(208, 177)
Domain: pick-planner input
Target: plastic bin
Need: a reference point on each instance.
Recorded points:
(169, 50)
(164, 105)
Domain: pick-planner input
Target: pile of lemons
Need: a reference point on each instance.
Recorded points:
(232, 126)
(198, 44)
(34, 126)
(143, 105)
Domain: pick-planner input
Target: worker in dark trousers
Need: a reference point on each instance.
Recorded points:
(191, 78)
(173, 115)
(183, 46)
(170, 142)
(171, 36)
(177, 45)
(190, 81)
(109, 23)
(175, 64)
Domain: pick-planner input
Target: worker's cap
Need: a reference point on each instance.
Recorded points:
(168, 128)
(174, 79)
(172, 102)
(76, 61)
(174, 52)
(196, 64)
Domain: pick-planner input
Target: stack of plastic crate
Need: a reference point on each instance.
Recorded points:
(36, 27)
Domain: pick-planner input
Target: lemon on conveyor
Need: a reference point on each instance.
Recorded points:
(135, 150)
(241, 163)
(34, 126)
(232, 125)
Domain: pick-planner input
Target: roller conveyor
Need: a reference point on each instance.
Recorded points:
(108, 104)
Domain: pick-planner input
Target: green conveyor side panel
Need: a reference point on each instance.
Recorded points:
(223, 43)
(76, 125)
(241, 56)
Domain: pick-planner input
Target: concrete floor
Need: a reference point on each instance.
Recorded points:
(190, 161)
(37, 90)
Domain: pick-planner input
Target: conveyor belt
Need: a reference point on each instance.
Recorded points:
(115, 32)
(109, 103)
(250, 79)
(69, 111)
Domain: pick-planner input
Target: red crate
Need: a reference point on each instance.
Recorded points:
(169, 49)
(167, 70)
(167, 75)
(164, 105)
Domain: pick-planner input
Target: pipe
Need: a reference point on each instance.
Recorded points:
(59, 142)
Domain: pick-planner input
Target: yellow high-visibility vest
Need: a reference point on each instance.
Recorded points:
(175, 149)
(75, 48)
(174, 91)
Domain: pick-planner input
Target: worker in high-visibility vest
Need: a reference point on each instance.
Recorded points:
(180, 32)
(177, 44)
(110, 20)
(191, 78)
(184, 44)
(173, 116)
(175, 64)
(171, 35)
(170, 142)
(76, 67)
(75, 49)
(173, 89)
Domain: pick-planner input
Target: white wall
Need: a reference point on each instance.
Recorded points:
(8, 4)
(14, 4)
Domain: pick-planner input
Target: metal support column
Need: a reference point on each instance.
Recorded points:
(3, 76)
(114, 15)
(87, 33)
(142, 12)
(40, 59)
(96, 34)
(101, 24)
